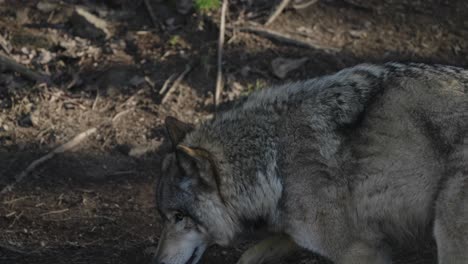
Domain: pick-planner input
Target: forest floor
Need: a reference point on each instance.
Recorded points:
(103, 65)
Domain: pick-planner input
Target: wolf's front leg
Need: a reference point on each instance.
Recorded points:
(268, 250)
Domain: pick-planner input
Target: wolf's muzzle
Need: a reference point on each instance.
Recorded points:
(190, 261)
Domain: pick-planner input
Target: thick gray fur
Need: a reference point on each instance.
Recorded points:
(342, 164)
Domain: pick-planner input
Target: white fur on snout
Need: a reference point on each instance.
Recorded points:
(179, 249)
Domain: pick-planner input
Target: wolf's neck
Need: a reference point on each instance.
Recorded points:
(255, 200)
(244, 152)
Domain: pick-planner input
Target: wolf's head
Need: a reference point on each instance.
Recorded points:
(189, 201)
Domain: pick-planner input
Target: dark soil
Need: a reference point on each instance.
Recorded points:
(95, 204)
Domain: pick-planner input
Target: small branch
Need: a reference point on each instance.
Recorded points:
(166, 84)
(75, 141)
(75, 80)
(23, 70)
(304, 4)
(277, 12)
(176, 83)
(16, 200)
(131, 98)
(117, 116)
(219, 76)
(80, 218)
(5, 45)
(56, 212)
(151, 13)
(149, 82)
(285, 38)
(62, 148)
(95, 100)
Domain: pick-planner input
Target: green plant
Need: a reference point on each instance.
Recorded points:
(259, 84)
(207, 5)
(175, 40)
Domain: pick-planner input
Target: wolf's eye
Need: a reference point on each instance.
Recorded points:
(178, 217)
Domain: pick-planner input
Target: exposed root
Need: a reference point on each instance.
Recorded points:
(62, 148)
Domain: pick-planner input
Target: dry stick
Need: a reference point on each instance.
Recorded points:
(166, 84)
(151, 13)
(56, 212)
(149, 82)
(277, 12)
(62, 148)
(16, 200)
(95, 100)
(304, 5)
(219, 76)
(10, 214)
(118, 115)
(23, 70)
(176, 83)
(285, 38)
(5, 45)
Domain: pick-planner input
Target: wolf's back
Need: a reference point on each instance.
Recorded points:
(363, 80)
(434, 94)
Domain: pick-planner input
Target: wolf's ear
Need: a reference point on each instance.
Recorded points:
(177, 129)
(206, 167)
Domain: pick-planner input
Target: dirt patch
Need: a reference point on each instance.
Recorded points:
(96, 203)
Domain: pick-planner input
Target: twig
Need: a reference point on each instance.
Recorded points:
(286, 38)
(304, 5)
(16, 200)
(127, 102)
(149, 82)
(277, 12)
(17, 217)
(10, 214)
(5, 45)
(62, 148)
(23, 70)
(151, 13)
(219, 76)
(80, 218)
(131, 98)
(118, 115)
(166, 84)
(95, 100)
(55, 212)
(75, 80)
(176, 83)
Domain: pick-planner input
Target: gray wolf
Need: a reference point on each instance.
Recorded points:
(340, 165)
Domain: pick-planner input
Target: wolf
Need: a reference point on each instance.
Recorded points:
(342, 165)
